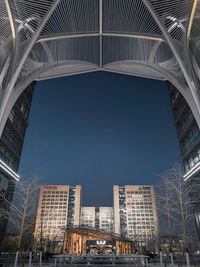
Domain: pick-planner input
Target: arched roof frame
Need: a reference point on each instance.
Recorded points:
(30, 27)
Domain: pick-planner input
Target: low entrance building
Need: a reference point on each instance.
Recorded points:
(80, 240)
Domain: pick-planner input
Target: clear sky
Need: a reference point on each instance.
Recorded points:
(99, 129)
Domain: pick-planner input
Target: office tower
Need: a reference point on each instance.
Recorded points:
(87, 217)
(11, 143)
(135, 214)
(189, 141)
(58, 208)
(100, 218)
(106, 219)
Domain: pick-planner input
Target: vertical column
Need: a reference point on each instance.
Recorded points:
(100, 33)
(116, 209)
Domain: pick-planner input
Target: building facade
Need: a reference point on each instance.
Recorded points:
(100, 218)
(11, 144)
(58, 208)
(88, 216)
(106, 219)
(80, 240)
(189, 141)
(135, 215)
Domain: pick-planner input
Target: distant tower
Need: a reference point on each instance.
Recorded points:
(100, 218)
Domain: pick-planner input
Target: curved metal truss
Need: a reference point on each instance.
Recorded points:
(43, 39)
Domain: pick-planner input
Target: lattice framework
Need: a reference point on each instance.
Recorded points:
(43, 39)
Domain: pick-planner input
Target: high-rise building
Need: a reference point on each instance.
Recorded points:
(58, 208)
(100, 218)
(132, 216)
(87, 217)
(135, 215)
(11, 143)
(189, 141)
(106, 219)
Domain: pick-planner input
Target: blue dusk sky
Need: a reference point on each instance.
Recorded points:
(99, 129)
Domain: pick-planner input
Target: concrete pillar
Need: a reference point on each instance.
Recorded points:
(40, 264)
(187, 259)
(30, 259)
(147, 263)
(171, 257)
(161, 260)
(16, 258)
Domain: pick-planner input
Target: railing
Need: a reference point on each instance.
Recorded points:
(34, 260)
(135, 260)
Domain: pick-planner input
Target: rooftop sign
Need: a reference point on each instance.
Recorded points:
(50, 187)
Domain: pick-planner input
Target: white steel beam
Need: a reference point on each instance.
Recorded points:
(138, 24)
(12, 25)
(67, 36)
(9, 89)
(192, 90)
(100, 34)
(82, 35)
(194, 6)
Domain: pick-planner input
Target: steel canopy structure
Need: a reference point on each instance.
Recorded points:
(43, 39)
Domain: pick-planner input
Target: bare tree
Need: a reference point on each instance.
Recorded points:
(181, 200)
(43, 236)
(22, 214)
(164, 204)
(42, 233)
(174, 204)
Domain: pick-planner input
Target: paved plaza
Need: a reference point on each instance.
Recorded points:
(101, 265)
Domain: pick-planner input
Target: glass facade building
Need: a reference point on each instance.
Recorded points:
(11, 144)
(189, 140)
